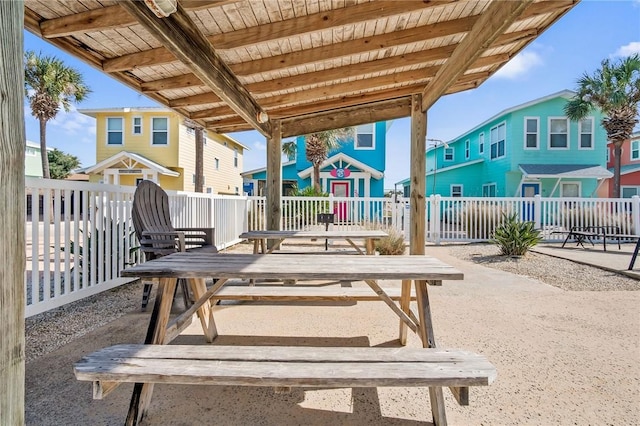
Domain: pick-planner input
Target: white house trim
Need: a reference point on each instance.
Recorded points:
(344, 158)
(128, 161)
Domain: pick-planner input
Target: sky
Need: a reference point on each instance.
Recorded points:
(576, 44)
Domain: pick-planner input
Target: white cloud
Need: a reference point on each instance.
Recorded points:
(74, 123)
(259, 146)
(628, 49)
(519, 66)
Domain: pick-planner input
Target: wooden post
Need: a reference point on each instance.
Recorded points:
(12, 214)
(199, 183)
(274, 178)
(418, 170)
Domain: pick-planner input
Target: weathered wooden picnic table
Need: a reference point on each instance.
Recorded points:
(285, 367)
(260, 238)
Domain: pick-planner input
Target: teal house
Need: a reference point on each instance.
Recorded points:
(32, 160)
(355, 169)
(523, 151)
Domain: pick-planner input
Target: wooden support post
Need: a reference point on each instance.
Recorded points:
(429, 341)
(417, 175)
(12, 195)
(274, 179)
(155, 335)
(405, 301)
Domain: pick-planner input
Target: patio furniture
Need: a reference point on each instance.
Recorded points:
(156, 234)
(260, 238)
(152, 363)
(326, 219)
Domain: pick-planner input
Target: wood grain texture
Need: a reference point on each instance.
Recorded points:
(286, 366)
(295, 266)
(274, 178)
(12, 214)
(302, 293)
(417, 173)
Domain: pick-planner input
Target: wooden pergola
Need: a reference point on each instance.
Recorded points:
(292, 67)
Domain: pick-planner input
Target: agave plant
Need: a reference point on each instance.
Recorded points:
(515, 237)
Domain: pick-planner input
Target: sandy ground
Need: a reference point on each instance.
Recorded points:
(563, 358)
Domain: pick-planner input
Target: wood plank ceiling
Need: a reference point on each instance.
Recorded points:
(313, 64)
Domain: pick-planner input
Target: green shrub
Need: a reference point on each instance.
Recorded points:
(392, 244)
(515, 238)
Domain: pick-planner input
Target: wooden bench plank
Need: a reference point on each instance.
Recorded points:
(286, 366)
(304, 293)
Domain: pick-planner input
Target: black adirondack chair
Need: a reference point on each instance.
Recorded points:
(156, 234)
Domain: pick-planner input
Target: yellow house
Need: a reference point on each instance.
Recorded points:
(154, 143)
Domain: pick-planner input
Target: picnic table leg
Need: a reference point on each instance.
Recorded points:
(428, 341)
(371, 248)
(155, 335)
(635, 255)
(405, 301)
(205, 313)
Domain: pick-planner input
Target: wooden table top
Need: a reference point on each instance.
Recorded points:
(373, 233)
(295, 267)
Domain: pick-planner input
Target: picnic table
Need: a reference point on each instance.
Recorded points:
(582, 234)
(285, 367)
(260, 238)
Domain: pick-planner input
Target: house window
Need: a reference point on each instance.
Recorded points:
(114, 131)
(217, 163)
(365, 137)
(558, 133)
(635, 150)
(235, 157)
(531, 133)
(570, 189)
(467, 149)
(489, 190)
(191, 131)
(498, 136)
(209, 190)
(31, 152)
(586, 133)
(629, 191)
(137, 125)
(448, 154)
(481, 143)
(456, 190)
(608, 154)
(159, 131)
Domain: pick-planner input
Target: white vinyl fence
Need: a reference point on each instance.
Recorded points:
(79, 235)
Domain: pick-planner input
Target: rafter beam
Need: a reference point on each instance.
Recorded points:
(466, 82)
(106, 18)
(180, 35)
(272, 63)
(494, 21)
(347, 117)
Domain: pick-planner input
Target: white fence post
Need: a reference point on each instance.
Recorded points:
(434, 217)
(635, 213)
(537, 211)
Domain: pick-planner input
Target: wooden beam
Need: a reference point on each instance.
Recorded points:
(494, 21)
(274, 178)
(12, 212)
(466, 82)
(106, 18)
(180, 35)
(347, 117)
(417, 173)
(336, 50)
(316, 77)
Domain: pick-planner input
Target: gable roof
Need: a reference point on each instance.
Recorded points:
(341, 156)
(134, 158)
(627, 168)
(262, 169)
(565, 171)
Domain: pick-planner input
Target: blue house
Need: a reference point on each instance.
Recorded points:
(355, 169)
(523, 151)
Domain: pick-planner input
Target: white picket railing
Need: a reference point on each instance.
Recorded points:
(79, 235)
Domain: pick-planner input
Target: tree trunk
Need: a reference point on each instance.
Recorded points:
(199, 184)
(43, 149)
(12, 214)
(316, 177)
(617, 154)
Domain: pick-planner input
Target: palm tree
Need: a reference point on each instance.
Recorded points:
(319, 145)
(615, 90)
(50, 84)
(289, 149)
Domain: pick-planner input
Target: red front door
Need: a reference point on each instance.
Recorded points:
(340, 189)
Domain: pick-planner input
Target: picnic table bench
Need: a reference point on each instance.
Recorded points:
(580, 234)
